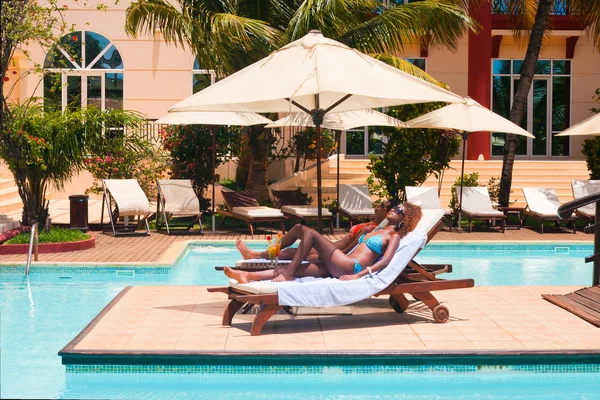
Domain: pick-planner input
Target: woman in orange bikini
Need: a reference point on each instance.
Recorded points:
(345, 244)
(374, 252)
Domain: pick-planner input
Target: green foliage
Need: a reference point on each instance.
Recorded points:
(126, 157)
(42, 148)
(470, 180)
(591, 147)
(230, 184)
(54, 235)
(591, 150)
(190, 148)
(494, 190)
(410, 156)
(303, 145)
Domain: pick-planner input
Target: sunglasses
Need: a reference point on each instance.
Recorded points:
(398, 210)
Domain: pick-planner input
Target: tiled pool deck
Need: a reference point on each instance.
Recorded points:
(180, 321)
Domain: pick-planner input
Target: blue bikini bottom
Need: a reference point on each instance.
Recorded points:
(357, 267)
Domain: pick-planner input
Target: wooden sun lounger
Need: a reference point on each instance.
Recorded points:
(296, 198)
(244, 199)
(418, 282)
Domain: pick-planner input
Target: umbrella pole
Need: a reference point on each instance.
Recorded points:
(465, 137)
(214, 175)
(337, 181)
(318, 119)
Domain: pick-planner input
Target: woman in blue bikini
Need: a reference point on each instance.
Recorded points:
(374, 251)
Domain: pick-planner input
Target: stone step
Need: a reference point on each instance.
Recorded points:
(9, 193)
(11, 206)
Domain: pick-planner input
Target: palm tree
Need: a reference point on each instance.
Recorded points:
(227, 35)
(533, 16)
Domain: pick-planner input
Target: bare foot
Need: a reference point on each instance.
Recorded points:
(240, 276)
(282, 275)
(244, 250)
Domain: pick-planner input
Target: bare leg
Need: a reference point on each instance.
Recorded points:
(311, 269)
(245, 251)
(333, 259)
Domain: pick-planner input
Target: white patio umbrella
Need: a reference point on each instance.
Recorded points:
(341, 121)
(467, 117)
(589, 126)
(212, 119)
(315, 75)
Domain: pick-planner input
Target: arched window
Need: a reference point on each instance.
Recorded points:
(201, 78)
(84, 69)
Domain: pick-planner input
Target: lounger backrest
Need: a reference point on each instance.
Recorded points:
(426, 195)
(293, 197)
(355, 197)
(582, 188)
(239, 199)
(475, 199)
(129, 196)
(429, 219)
(543, 201)
(178, 196)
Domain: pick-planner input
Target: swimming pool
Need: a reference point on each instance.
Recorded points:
(40, 315)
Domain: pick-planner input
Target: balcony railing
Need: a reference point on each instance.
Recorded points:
(561, 7)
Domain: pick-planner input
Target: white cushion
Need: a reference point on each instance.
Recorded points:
(305, 211)
(257, 211)
(429, 219)
(179, 196)
(355, 197)
(582, 188)
(476, 200)
(542, 201)
(261, 287)
(426, 195)
(129, 196)
(359, 211)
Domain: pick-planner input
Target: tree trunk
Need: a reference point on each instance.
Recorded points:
(260, 140)
(243, 164)
(520, 102)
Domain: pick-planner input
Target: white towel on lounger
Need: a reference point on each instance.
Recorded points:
(326, 292)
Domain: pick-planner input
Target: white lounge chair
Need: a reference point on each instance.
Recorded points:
(476, 205)
(429, 200)
(294, 205)
(243, 206)
(177, 199)
(125, 198)
(542, 204)
(355, 202)
(582, 188)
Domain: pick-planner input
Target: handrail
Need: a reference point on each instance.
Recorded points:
(565, 211)
(33, 247)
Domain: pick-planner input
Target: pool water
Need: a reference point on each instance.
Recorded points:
(39, 316)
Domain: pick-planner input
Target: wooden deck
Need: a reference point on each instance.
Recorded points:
(152, 248)
(584, 303)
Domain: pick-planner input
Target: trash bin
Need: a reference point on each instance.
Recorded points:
(79, 212)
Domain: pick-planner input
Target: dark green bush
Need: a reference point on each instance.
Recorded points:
(55, 235)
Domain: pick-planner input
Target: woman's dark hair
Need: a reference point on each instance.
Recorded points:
(412, 215)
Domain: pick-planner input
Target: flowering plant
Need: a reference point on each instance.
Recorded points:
(126, 157)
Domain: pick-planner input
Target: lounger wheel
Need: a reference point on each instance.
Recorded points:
(396, 305)
(441, 313)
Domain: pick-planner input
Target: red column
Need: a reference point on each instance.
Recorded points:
(480, 75)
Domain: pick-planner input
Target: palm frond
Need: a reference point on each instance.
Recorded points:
(433, 23)
(589, 12)
(332, 17)
(145, 17)
(408, 67)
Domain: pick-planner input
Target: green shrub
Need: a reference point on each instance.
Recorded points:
(591, 149)
(190, 148)
(55, 235)
(231, 184)
(410, 156)
(494, 190)
(470, 180)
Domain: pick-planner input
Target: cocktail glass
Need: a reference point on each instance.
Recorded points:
(272, 253)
